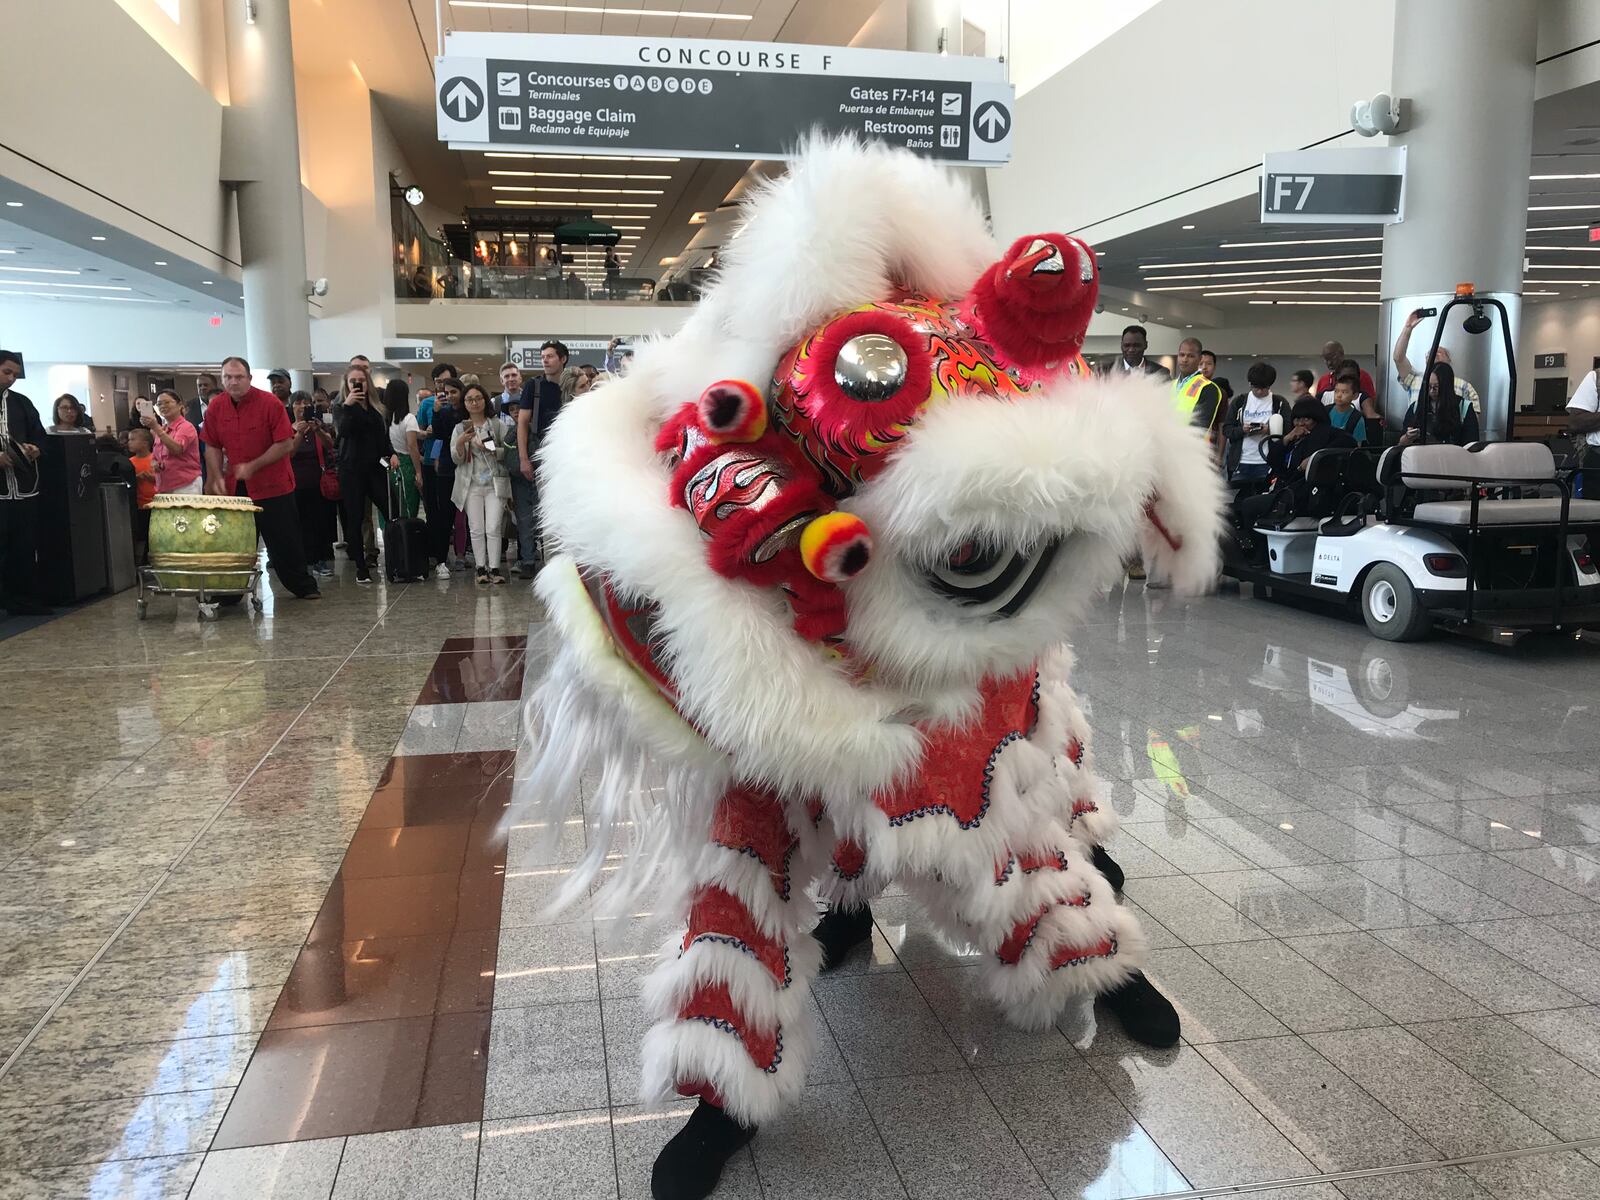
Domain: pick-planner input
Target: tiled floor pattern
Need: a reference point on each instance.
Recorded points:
(1370, 873)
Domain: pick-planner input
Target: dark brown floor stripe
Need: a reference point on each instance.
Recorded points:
(465, 674)
(384, 1021)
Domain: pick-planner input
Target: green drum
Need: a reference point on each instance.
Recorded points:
(212, 536)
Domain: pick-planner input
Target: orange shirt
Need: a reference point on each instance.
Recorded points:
(143, 465)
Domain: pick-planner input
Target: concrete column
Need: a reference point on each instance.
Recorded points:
(927, 23)
(265, 168)
(1467, 66)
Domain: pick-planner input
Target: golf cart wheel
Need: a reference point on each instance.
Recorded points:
(1391, 606)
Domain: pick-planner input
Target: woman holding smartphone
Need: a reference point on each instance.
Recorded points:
(177, 444)
(364, 453)
(313, 447)
(483, 483)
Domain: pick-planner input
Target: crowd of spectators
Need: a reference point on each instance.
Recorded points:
(329, 472)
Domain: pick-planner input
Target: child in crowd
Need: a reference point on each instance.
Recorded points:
(140, 453)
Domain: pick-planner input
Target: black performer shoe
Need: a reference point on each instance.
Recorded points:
(840, 931)
(1107, 866)
(689, 1166)
(1146, 1015)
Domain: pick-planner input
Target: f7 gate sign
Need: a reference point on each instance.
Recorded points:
(1338, 187)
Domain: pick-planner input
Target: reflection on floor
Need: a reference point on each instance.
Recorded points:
(260, 935)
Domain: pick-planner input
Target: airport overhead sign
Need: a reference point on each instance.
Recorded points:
(1364, 186)
(714, 99)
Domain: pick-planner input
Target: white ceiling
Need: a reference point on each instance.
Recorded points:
(50, 253)
(1254, 264)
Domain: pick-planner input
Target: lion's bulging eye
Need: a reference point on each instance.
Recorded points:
(871, 367)
(972, 558)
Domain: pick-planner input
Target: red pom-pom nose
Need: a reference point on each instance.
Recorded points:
(733, 411)
(1035, 303)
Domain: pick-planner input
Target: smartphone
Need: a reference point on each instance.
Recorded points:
(1425, 312)
(327, 418)
(488, 444)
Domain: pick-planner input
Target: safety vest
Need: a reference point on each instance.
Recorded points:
(1186, 394)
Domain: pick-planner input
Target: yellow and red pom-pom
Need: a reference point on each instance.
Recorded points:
(836, 546)
(733, 411)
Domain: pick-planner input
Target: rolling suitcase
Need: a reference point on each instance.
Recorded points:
(405, 544)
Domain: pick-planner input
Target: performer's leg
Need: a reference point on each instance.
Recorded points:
(730, 995)
(847, 887)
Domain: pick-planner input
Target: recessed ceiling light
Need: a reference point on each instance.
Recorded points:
(1251, 262)
(1188, 226)
(1299, 242)
(99, 237)
(161, 262)
(206, 283)
(13, 203)
(38, 271)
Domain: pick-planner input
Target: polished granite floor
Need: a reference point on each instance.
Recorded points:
(258, 936)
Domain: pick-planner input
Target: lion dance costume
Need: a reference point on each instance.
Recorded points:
(817, 555)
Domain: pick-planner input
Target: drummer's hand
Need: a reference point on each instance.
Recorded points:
(30, 450)
(214, 487)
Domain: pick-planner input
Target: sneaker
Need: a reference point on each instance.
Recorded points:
(363, 574)
(496, 576)
(482, 578)
(324, 569)
(1135, 570)
(312, 595)
(525, 570)
(442, 571)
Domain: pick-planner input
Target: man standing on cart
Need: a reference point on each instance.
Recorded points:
(248, 442)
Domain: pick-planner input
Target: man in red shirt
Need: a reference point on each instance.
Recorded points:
(248, 442)
(1332, 355)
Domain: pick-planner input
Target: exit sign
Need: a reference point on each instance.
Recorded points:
(1594, 232)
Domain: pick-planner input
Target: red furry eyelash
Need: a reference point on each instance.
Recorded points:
(853, 428)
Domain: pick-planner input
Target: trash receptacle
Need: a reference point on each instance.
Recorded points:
(116, 513)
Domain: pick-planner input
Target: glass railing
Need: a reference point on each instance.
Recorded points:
(469, 281)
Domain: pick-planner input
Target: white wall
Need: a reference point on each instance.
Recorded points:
(1139, 129)
(1046, 35)
(1570, 327)
(190, 31)
(107, 121)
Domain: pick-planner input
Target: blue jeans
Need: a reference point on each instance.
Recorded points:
(525, 497)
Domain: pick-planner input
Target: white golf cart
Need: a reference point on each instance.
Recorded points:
(1485, 540)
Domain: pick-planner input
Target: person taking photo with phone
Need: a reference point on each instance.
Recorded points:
(480, 449)
(364, 453)
(177, 444)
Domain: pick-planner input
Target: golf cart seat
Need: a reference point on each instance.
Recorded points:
(1429, 470)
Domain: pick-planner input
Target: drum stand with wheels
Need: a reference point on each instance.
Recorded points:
(207, 598)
